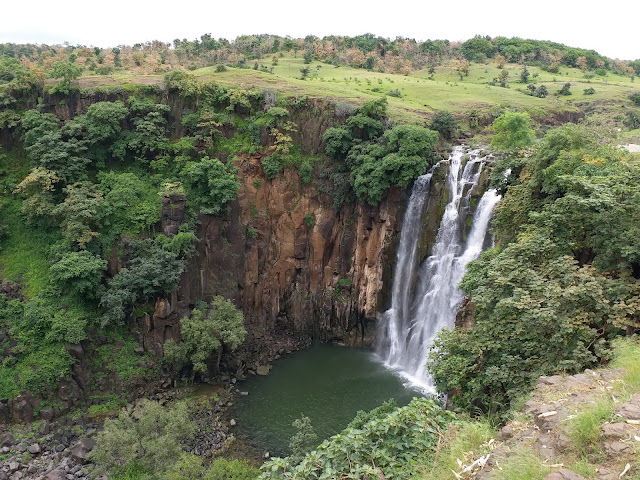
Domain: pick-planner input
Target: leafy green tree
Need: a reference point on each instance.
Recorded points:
(524, 75)
(512, 131)
(130, 205)
(79, 273)
(565, 90)
(541, 91)
(338, 141)
(68, 73)
(444, 123)
(537, 312)
(35, 124)
(301, 441)
(38, 188)
(206, 332)
(150, 436)
(79, 213)
(210, 184)
(62, 150)
(153, 270)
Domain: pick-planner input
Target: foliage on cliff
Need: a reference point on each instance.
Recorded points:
(371, 158)
(562, 283)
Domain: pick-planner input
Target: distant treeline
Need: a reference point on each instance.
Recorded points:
(401, 55)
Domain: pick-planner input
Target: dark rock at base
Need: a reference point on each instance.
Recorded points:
(6, 440)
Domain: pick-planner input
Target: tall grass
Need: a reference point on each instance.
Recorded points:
(521, 464)
(465, 441)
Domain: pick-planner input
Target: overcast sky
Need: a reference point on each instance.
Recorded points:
(610, 27)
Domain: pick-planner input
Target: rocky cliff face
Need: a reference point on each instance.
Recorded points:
(292, 262)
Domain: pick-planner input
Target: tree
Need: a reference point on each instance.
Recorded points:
(69, 73)
(210, 184)
(79, 273)
(524, 75)
(154, 269)
(512, 131)
(79, 213)
(541, 91)
(500, 61)
(149, 436)
(581, 63)
(303, 440)
(565, 90)
(444, 123)
(39, 189)
(204, 332)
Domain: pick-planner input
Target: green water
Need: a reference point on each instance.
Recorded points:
(328, 384)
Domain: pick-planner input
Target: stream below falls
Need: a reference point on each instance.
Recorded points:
(326, 383)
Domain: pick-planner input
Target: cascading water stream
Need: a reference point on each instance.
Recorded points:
(417, 314)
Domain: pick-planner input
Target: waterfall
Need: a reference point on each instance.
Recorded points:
(418, 312)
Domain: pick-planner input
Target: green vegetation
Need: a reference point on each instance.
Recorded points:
(205, 332)
(559, 287)
(149, 439)
(372, 160)
(386, 444)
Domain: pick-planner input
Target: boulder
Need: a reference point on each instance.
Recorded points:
(34, 449)
(81, 449)
(6, 440)
(616, 430)
(263, 369)
(563, 474)
(631, 409)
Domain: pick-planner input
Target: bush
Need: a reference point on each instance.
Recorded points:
(635, 98)
(589, 91)
(444, 123)
(387, 446)
(220, 68)
(394, 93)
(210, 184)
(272, 166)
(306, 172)
(309, 220)
(80, 273)
(565, 90)
(149, 437)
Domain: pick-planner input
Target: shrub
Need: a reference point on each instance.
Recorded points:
(149, 437)
(394, 93)
(444, 123)
(589, 91)
(309, 220)
(565, 90)
(211, 184)
(635, 98)
(306, 171)
(221, 68)
(80, 273)
(272, 166)
(385, 447)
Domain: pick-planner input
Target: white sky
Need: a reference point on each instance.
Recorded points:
(610, 27)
